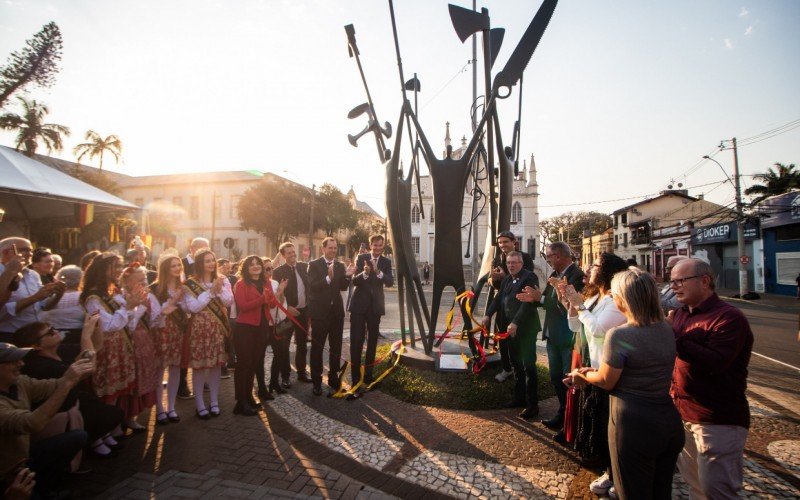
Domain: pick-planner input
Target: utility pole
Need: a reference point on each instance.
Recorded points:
(311, 226)
(744, 287)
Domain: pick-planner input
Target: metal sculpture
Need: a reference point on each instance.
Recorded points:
(449, 175)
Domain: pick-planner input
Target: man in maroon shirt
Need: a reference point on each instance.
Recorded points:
(714, 342)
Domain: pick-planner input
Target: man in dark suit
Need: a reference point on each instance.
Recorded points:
(366, 307)
(327, 278)
(556, 331)
(506, 242)
(296, 294)
(521, 322)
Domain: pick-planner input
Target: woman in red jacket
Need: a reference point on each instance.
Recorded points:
(253, 296)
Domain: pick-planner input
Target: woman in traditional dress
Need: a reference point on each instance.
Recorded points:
(115, 364)
(148, 371)
(166, 293)
(206, 298)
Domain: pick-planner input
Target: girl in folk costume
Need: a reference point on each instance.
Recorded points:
(206, 298)
(115, 371)
(170, 327)
(148, 366)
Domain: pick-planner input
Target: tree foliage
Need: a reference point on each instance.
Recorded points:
(97, 179)
(276, 210)
(569, 227)
(36, 63)
(31, 128)
(332, 210)
(96, 145)
(774, 182)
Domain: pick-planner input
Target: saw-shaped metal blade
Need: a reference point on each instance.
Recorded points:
(512, 72)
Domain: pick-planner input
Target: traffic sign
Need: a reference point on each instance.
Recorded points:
(228, 243)
(744, 259)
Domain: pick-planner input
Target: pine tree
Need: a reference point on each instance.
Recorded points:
(36, 63)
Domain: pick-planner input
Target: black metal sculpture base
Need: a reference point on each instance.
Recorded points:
(451, 349)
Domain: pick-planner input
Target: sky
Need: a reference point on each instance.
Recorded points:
(621, 99)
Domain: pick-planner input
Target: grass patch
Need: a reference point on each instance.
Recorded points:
(453, 390)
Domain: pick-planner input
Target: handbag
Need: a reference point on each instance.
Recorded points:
(283, 328)
(571, 414)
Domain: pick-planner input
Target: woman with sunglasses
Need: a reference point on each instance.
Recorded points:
(206, 298)
(115, 362)
(169, 328)
(99, 419)
(148, 366)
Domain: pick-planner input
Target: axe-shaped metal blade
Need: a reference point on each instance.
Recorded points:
(352, 48)
(512, 72)
(387, 130)
(413, 85)
(359, 110)
(467, 22)
(496, 35)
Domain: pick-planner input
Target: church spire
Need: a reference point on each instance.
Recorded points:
(532, 176)
(447, 135)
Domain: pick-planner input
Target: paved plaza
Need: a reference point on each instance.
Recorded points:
(378, 447)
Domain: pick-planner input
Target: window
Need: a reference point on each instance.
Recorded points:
(234, 211)
(217, 206)
(616, 221)
(415, 214)
(616, 241)
(516, 213)
(215, 246)
(625, 218)
(432, 215)
(625, 239)
(415, 245)
(177, 205)
(252, 246)
(788, 266)
(194, 208)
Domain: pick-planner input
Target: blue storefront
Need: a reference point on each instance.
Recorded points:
(717, 245)
(780, 224)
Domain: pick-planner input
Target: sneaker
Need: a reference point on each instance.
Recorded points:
(601, 485)
(503, 376)
(612, 493)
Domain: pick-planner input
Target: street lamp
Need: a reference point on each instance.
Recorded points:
(744, 286)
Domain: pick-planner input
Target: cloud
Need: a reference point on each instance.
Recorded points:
(744, 12)
(728, 44)
(749, 30)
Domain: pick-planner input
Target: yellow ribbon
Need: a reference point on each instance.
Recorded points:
(342, 393)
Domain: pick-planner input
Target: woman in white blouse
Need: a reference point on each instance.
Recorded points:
(67, 315)
(206, 298)
(591, 319)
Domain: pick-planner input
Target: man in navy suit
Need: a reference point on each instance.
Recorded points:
(296, 294)
(327, 278)
(521, 322)
(367, 305)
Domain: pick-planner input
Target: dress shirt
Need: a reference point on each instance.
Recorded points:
(301, 288)
(68, 314)
(328, 264)
(10, 319)
(119, 319)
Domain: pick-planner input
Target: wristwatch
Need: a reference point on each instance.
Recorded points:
(581, 307)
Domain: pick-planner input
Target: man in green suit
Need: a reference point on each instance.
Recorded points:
(556, 332)
(521, 322)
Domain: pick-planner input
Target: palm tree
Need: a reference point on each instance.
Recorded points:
(97, 146)
(31, 128)
(774, 182)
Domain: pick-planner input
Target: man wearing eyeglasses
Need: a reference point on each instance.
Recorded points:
(25, 296)
(669, 301)
(714, 342)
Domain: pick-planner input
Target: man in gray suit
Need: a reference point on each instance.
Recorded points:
(556, 331)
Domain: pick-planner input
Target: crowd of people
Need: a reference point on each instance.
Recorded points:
(646, 379)
(86, 349)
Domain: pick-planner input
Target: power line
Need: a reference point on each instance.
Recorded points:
(623, 199)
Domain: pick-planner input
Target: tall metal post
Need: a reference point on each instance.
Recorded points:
(744, 286)
(311, 226)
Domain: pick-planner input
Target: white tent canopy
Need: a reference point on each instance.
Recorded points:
(31, 190)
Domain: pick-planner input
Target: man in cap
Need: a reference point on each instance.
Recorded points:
(49, 457)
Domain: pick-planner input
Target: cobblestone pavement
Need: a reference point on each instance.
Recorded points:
(377, 447)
